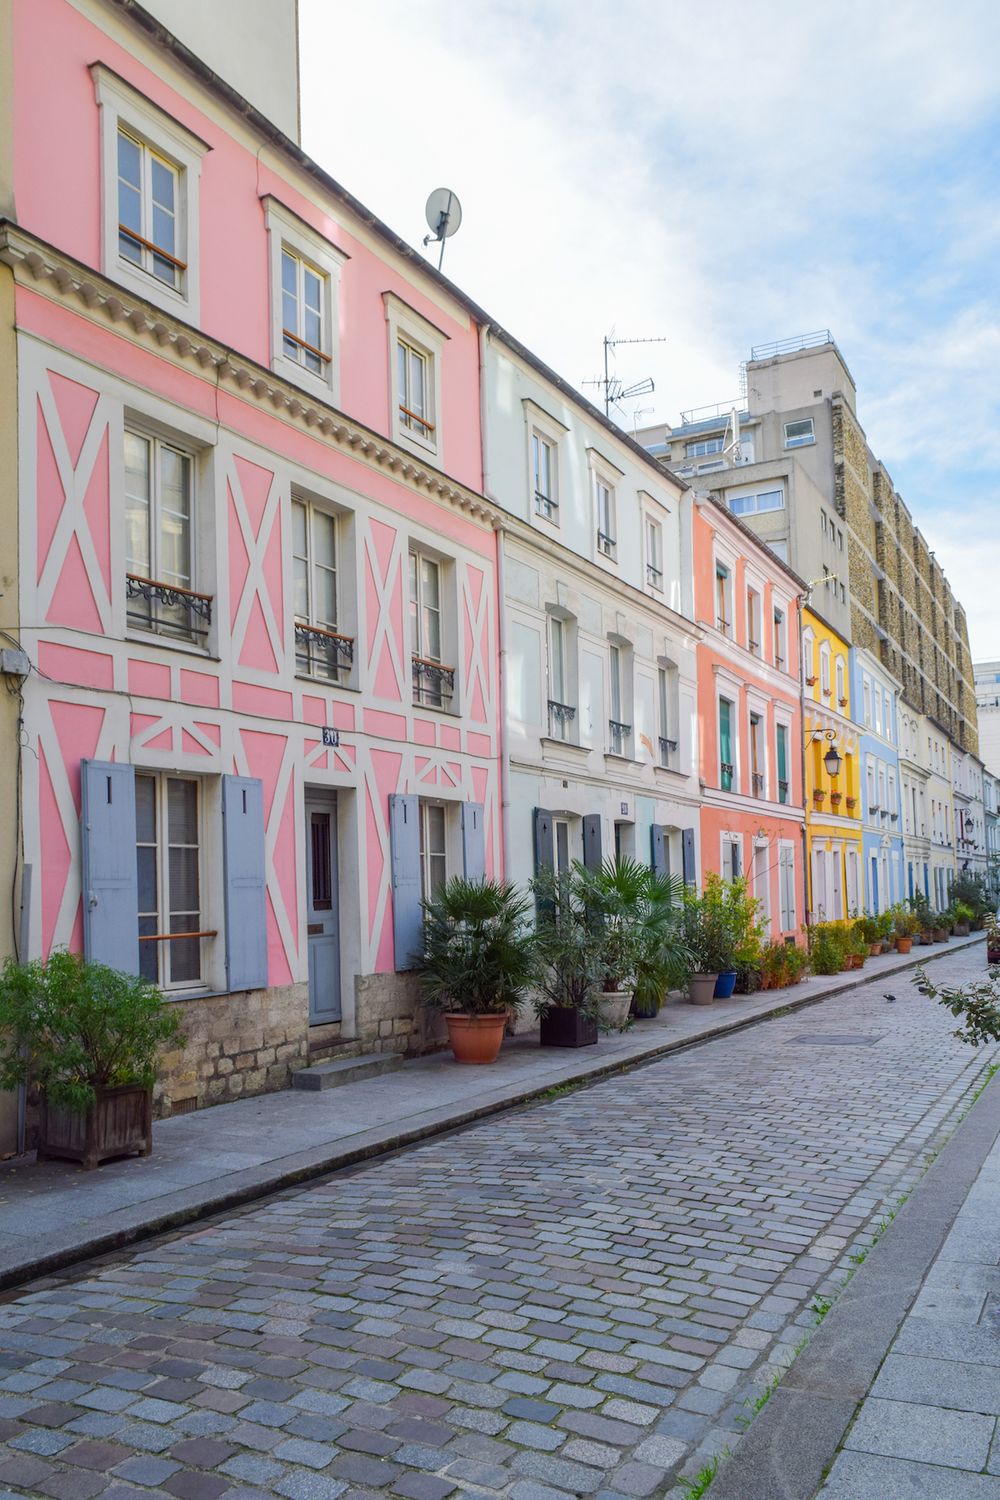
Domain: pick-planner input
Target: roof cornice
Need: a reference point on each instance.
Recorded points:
(58, 276)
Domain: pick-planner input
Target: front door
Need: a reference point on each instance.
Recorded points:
(322, 915)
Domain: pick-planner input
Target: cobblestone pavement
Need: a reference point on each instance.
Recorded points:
(575, 1299)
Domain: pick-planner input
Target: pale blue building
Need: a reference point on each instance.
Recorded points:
(873, 699)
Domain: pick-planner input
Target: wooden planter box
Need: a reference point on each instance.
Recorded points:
(120, 1123)
(566, 1026)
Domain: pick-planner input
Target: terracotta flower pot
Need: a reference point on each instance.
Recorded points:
(476, 1039)
(701, 988)
(875, 949)
(903, 944)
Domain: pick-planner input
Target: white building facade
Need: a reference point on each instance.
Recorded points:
(598, 650)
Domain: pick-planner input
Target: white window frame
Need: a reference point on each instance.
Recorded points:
(286, 231)
(134, 426)
(163, 950)
(620, 671)
(405, 324)
(704, 447)
(450, 703)
(866, 698)
(755, 606)
(123, 107)
(739, 506)
(840, 677)
(779, 636)
(825, 682)
(559, 628)
(652, 553)
(809, 659)
(803, 439)
(727, 843)
(343, 675)
(604, 473)
(426, 853)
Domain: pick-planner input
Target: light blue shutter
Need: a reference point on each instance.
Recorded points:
(545, 853)
(246, 879)
(659, 850)
(687, 857)
(592, 857)
(407, 913)
(110, 876)
(474, 840)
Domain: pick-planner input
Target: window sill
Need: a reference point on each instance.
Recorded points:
(326, 683)
(421, 449)
(550, 742)
(296, 374)
(622, 760)
(669, 770)
(445, 710)
(187, 648)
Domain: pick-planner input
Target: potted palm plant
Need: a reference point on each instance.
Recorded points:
(88, 1038)
(568, 944)
(478, 962)
(642, 949)
(708, 934)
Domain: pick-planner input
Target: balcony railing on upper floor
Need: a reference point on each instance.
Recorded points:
(561, 716)
(619, 735)
(322, 653)
(167, 609)
(433, 682)
(668, 753)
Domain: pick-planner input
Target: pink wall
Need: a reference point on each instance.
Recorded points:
(57, 187)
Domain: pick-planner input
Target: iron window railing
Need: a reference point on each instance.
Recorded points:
(757, 783)
(167, 609)
(320, 653)
(668, 748)
(782, 791)
(433, 682)
(619, 737)
(607, 545)
(654, 576)
(546, 507)
(726, 775)
(561, 716)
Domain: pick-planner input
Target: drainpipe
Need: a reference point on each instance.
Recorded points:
(500, 535)
(799, 602)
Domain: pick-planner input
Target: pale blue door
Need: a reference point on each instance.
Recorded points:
(322, 910)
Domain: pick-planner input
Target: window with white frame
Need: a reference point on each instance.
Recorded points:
(808, 657)
(757, 503)
(887, 715)
(562, 708)
(159, 540)
(877, 706)
(732, 857)
(416, 350)
(433, 682)
(702, 447)
(727, 744)
(320, 649)
(866, 698)
(780, 639)
(782, 761)
(543, 469)
(754, 645)
(758, 779)
(824, 670)
(305, 313)
(841, 682)
(667, 713)
(605, 518)
(169, 870)
(871, 785)
(786, 886)
(799, 434)
(150, 166)
(619, 696)
(653, 533)
(723, 599)
(433, 848)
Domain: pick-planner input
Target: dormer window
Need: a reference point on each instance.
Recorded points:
(305, 322)
(148, 208)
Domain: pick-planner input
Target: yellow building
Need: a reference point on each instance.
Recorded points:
(833, 775)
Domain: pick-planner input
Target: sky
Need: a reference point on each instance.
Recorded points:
(716, 176)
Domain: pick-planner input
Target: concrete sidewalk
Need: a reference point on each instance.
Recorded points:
(52, 1214)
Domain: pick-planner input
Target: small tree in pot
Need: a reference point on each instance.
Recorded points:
(479, 960)
(89, 1038)
(708, 934)
(642, 949)
(570, 949)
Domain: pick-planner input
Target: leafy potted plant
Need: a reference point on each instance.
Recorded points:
(643, 949)
(907, 925)
(568, 943)
(887, 929)
(478, 961)
(942, 927)
(868, 930)
(964, 916)
(708, 934)
(89, 1038)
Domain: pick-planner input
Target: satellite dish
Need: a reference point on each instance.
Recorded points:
(444, 216)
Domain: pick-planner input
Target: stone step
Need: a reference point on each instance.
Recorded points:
(329, 1075)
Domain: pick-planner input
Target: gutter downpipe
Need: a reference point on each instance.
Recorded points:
(500, 533)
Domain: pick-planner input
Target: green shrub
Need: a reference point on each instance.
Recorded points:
(74, 1027)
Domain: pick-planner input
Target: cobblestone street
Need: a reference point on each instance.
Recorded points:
(578, 1298)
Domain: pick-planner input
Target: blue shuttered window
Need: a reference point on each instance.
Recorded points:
(659, 849)
(592, 855)
(687, 857)
(110, 883)
(407, 913)
(474, 840)
(245, 880)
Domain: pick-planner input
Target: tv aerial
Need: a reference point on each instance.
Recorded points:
(444, 216)
(615, 391)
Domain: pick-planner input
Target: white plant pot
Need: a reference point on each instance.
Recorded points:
(612, 1009)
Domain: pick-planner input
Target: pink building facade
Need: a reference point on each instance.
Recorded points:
(750, 716)
(256, 574)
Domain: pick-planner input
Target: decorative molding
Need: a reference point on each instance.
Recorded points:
(104, 301)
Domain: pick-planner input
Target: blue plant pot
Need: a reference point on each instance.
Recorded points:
(725, 984)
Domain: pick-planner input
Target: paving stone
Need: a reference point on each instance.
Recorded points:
(423, 1487)
(535, 1435)
(148, 1471)
(859, 1476)
(923, 1433)
(193, 1486)
(311, 1486)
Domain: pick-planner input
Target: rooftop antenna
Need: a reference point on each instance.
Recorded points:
(444, 216)
(614, 392)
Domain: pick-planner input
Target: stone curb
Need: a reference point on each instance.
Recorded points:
(786, 1453)
(187, 1205)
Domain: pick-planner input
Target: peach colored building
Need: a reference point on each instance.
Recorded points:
(257, 576)
(750, 715)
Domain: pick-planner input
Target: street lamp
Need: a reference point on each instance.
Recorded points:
(832, 761)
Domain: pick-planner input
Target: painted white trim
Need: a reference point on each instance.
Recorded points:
(120, 105)
(404, 322)
(286, 230)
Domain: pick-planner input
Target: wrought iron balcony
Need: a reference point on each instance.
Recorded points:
(167, 609)
(322, 653)
(757, 783)
(546, 507)
(561, 716)
(619, 737)
(668, 748)
(782, 791)
(654, 577)
(607, 545)
(433, 682)
(726, 772)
